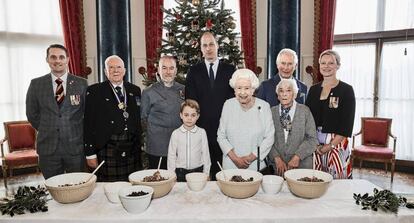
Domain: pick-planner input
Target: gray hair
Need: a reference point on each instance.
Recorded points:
(287, 51)
(291, 83)
(244, 74)
(332, 53)
(113, 57)
(166, 57)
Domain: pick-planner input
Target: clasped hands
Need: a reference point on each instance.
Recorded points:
(281, 165)
(322, 149)
(242, 162)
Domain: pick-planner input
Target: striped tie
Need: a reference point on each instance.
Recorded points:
(59, 95)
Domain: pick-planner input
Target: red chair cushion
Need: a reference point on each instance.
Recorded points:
(372, 152)
(21, 136)
(375, 132)
(27, 157)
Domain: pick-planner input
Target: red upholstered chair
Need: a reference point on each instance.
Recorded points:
(21, 140)
(375, 133)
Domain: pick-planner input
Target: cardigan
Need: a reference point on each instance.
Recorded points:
(336, 113)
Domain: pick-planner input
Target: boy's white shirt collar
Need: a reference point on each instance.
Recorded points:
(193, 130)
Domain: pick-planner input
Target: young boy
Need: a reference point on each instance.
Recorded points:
(188, 149)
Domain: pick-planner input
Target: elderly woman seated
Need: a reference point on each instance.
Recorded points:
(246, 128)
(295, 134)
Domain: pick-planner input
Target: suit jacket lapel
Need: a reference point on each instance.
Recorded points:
(109, 95)
(279, 130)
(70, 83)
(294, 126)
(219, 72)
(51, 95)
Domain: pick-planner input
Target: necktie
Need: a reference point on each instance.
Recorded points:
(211, 74)
(119, 93)
(285, 119)
(59, 94)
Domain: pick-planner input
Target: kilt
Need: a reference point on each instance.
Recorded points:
(119, 160)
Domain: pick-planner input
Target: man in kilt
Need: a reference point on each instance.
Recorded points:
(112, 126)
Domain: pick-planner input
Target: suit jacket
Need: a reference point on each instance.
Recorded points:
(103, 118)
(64, 124)
(301, 140)
(211, 99)
(267, 91)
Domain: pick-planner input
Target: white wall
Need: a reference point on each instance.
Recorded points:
(306, 39)
(138, 38)
(261, 38)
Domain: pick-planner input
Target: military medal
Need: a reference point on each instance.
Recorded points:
(122, 105)
(125, 114)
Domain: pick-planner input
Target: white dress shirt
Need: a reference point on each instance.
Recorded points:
(215, 66)
(64, 83)
(188, 149)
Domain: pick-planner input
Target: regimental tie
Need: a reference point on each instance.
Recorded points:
(211, 74)
(59, 94)
(119, 93)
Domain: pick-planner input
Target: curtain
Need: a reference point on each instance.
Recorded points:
(248, 32)
(324, 31)
(71, 13)
(358, 70)
(153, 33)
(396, 94)
(23, 43)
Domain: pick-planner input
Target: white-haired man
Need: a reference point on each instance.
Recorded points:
(112, 124)
(286, 62)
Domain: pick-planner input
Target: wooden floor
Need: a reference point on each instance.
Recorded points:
(403, 182)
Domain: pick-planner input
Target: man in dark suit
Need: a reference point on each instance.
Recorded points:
(55, 104)
(286, 62)
(112, 124)
(208, 83)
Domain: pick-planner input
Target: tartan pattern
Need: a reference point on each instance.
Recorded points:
(116, 168)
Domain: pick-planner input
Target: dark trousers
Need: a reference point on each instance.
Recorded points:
(181, 172)
(214, 169)
(61, 162)
(153, 162)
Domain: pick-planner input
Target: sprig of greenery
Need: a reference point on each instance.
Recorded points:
(384, 200)
(32, 199)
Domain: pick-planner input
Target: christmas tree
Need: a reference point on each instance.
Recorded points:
(187, 22)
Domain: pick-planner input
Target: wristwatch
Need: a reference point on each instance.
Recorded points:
(331, 145)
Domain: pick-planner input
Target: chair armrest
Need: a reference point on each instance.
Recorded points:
(353, 138)
(395, 141)
(1, 145)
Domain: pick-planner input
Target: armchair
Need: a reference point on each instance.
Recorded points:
(21, 140)
(375, 133)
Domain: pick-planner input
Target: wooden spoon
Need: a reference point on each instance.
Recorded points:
(221, 168)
